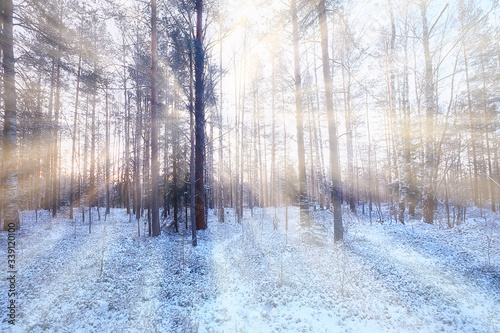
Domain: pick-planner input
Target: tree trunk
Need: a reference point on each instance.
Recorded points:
(155, 212)
(311, 157)
(10, 176)
(338, 228)
(221, 163)
(299, 111)
(318, 143)
(55, 166)
(73, 151)
(85, 154)
(199, 114)
(428, 191)
(146, 170)
(48, 162)
(108, 166)
(137, 177)
(370, 192)
(92, 188)
(259, 147)
(241, 154)
(192, 177)
(349, 140)
(175, 174)
(126, 181)
(237, 153)
(273, 139)
(488, 152)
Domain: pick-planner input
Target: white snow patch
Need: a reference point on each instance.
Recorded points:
(257, 276)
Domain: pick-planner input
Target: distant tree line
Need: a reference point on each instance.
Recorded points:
(174, 108)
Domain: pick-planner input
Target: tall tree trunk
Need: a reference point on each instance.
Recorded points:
(237, 135)
(317, 142)
(146, 167)
(48, 143)
(475, 182)
(126, 181)
(108, 165)
(349, 139)
(221, 163)
(73, 151)
(85, 154)
(299, 110)
(241, 154)
(370, 192)
(428, 192)
(273, 135)
(397, 139)
(241, 161)
(338, 228)
(209, 170)
(285, 166)
(166, 201)
(192, 177)
(175, 156)
(488, 152)
(155, 217)
(57, 107)
(266, 183)
(116, 154)
(255, 187)
(199, 114)
(311, 156)
(262, 180)
(39, 154)
(92, 178)
(10, 176)
(407, 135)
(137, 177)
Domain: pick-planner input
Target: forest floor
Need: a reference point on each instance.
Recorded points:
(256, 276)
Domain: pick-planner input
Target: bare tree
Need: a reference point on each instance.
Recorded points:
(332, 127)
(155, 220)
(10, 179)
(299, 109)
(199, 114)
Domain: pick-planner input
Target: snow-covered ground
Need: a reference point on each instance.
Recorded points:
(257, 276)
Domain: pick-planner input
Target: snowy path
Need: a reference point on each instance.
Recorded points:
(385, 278)
(437, 274)
(108, 281)
(257, 277)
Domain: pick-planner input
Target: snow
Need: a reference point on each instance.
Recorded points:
(256, 276)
